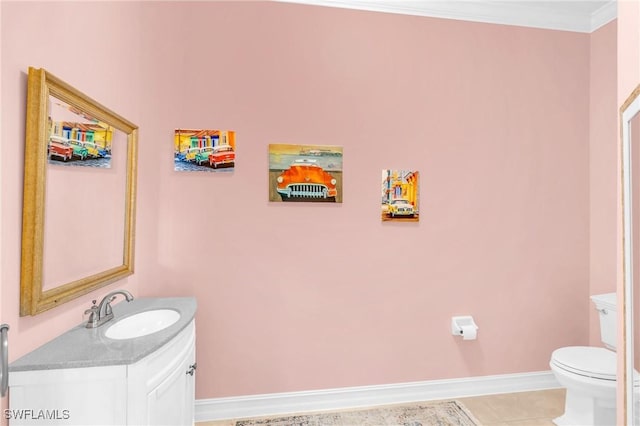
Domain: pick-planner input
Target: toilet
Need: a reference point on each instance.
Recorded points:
(589, 373)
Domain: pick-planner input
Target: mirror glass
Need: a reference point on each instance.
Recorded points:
(630, 149)
(634, 141)
(79, 195)
(84, 198)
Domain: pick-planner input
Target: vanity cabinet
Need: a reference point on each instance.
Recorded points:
(163, 385)
(158, 389)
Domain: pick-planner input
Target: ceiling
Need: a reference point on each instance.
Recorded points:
(567, 15)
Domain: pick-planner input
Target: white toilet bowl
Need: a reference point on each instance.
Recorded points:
(589, 375)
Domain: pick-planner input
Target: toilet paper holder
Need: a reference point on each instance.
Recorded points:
(462, 323)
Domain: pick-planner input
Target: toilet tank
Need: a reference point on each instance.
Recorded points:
(606, 306)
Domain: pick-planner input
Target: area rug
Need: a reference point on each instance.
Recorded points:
(445, 413)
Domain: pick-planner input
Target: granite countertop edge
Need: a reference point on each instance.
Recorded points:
(83, 347)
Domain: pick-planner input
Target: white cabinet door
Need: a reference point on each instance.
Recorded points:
(171, 402)
(160, 390)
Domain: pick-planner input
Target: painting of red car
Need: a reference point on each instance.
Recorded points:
(222, 155)
(60, 150)
(304, 180)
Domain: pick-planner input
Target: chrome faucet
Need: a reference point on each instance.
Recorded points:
(99, 314)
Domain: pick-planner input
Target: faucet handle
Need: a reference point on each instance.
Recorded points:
(94, 315)
(92, 309)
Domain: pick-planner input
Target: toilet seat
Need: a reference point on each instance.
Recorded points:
(587, 361)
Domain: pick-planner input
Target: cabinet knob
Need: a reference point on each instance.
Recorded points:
(192, 369)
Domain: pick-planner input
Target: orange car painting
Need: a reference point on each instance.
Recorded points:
(305, 173)
(305, 180)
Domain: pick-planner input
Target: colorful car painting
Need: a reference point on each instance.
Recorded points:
(400, 198)
(204, 150)
(90, 140)
(305, 180)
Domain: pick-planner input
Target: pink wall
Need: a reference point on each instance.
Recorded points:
(297, 297)
(628, 48)
(603, 177)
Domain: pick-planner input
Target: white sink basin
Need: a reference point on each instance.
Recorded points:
(142, 324)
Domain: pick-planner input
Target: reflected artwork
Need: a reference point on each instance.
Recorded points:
(197, 150)
(305, 173)
(76, 138)
(400, 195)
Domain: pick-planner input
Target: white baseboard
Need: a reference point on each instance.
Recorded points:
(365, 396)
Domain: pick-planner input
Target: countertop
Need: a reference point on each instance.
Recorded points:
(89, 347)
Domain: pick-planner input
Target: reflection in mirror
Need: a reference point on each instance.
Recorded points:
(630, 148)
(84, 197)
(79, 195)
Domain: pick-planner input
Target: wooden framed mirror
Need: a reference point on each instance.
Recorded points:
(79, 195)
(630, 155)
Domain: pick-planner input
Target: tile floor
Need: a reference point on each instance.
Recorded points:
(536, 408)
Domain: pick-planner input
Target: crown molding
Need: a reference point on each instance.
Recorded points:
(518, 13)
(604, 15)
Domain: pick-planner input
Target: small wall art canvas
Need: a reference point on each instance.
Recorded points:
(400, 195)
(198, 150)
(305, 173)
(76, 138)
